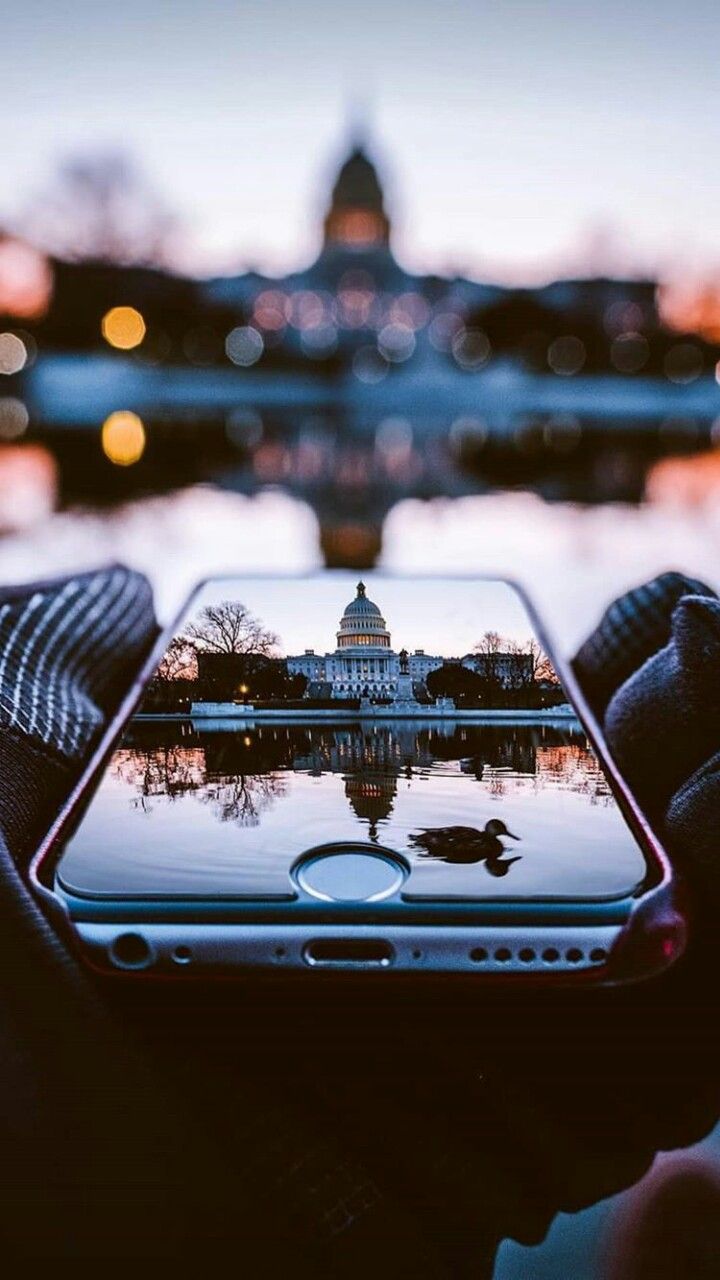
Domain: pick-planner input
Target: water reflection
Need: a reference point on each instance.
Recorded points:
(335, 458)
(239, 774)
(176, 770)
(197, 807)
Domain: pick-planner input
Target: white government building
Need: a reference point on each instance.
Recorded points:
(364, 664)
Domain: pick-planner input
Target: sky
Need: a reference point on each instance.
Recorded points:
(442, 616)
(518, 138)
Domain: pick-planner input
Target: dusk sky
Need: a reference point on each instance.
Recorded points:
(442, 615)
(514, 135)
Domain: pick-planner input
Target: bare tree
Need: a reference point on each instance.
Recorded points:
(489, 647)
(542, 667)
(523, 674)
(179, 661)
(229, 627)
(99, 208)
(490, 642)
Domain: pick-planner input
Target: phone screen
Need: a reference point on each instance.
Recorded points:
(417, 715)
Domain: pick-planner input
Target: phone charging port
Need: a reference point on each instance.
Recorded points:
(360, 953)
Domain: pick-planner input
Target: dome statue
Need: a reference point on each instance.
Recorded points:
(361, 603)
(362, 624)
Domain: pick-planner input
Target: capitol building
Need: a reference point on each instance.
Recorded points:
(364, 663)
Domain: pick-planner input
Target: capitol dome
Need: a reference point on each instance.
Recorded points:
(356, 218)
(362, 624)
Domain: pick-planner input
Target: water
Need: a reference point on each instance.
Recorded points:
(590, 439)
(186, 809)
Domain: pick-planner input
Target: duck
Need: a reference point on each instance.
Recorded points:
(466, 844)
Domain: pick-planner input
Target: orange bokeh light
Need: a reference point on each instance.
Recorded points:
(123, 327)
(123, 438)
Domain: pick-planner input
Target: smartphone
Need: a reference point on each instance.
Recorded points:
(391, 775)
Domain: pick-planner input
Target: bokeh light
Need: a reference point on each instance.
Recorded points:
(307, 310)
(123, 438)
(14, 418)
(123, 327)
(443, 329)
(629, 353)
(13, 353)
(244, 346)
(683, 363)
(566, 355)
(354, 307)
(271, 310)
(411, 308)
(396, 342)
(471, 348)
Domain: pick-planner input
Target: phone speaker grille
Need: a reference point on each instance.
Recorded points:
(543, 958)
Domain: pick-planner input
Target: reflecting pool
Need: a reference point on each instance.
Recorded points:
(479, 809)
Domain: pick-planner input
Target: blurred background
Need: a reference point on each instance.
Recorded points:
(363, 257)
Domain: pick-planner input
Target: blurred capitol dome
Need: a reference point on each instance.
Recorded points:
(356, 217)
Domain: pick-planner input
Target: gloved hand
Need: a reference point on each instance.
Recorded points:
(650, 671)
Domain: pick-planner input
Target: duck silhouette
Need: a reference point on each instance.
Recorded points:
(467, 844)
(500, 866)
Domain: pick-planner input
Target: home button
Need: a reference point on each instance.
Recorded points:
(350, 873)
